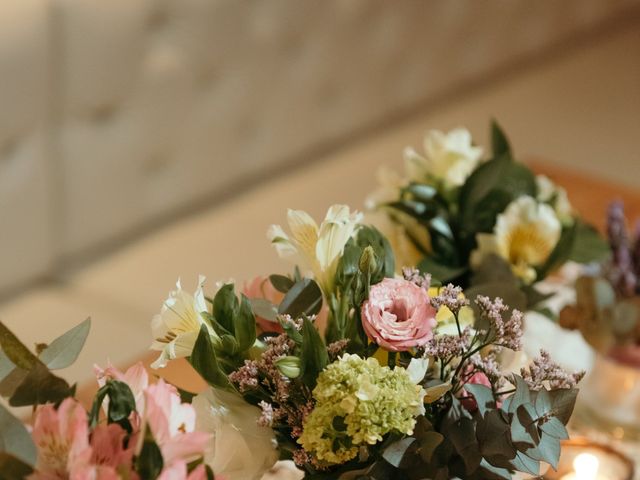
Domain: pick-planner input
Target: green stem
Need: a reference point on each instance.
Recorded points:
(391, 360)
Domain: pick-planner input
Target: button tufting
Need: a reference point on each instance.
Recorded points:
(155, 164)
(103, 113)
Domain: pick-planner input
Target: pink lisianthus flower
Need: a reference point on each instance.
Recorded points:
(398, 315)
(261, 288)
(62, 439)
(172, 424)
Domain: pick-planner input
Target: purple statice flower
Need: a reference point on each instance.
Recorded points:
(246, 377)
(413, 275)
(492, 311)
(336, 348)
(621, 271)
(544, 373)
(512, 337)
(451, 297)
(444, 347)
(489, 365)
(266, 417)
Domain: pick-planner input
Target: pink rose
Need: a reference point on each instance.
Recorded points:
(261, 288)
(398, 315)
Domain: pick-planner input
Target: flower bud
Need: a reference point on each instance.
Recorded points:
(368, 263)
(289, 366)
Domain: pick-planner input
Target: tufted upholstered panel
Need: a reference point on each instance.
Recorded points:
(156, 105)
(26, 209)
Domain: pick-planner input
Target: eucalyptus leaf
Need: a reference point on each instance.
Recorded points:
(563, 401)
(40, 386)
(304, 298)
(436, 392)
(264, 309)
(12, 468)
(395, 452)
(428, 445)
(281, 283)
(15, 439)
(64, 350)
(525, 464)
(483, 396)
(15, 351)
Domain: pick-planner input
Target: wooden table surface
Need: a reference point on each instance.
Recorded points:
(590, 197)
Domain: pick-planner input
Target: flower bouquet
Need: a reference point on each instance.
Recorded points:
(343, 367)
(607, 314)
(607, 309)
(489, 225)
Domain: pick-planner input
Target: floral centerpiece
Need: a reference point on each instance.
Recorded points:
(484, 222)
(343, 367)
(607, 309)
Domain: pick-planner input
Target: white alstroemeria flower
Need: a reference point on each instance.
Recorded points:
(556, 196)
(389, 185)
(317, 248)
(525, 234)
(450, 157)
(240, 448)
(175, 329)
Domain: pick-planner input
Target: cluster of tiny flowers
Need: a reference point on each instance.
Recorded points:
(451, 297)
(370, 400)
(624, 268)
(444, 347)
(336, 348)
(413, 275)
(246, 377)
(266, 417)
(286, 320)
(544, 373)
(512, 337)
(489, 365)
(492, 311)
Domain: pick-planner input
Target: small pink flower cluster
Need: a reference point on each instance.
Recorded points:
(69, 449)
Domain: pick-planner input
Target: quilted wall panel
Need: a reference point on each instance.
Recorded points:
(117, 113)
(27, 212)
(167, 102)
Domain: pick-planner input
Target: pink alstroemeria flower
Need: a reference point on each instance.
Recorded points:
(62, 439)
(136, 377)
(398, 315)
(172, 424)
(178, 471)
(107, 443)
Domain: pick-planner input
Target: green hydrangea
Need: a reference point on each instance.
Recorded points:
(358, 402)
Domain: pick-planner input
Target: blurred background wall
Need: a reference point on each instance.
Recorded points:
(117, 116)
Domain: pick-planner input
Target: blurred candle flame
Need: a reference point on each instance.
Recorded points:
(586, 466)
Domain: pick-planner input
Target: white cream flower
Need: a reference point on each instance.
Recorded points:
(317, 249)
(175, 329)
(556, 196)
(240, 448)
(525, 234)
(450, 157)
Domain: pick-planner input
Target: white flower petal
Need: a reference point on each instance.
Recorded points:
(417, 369)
